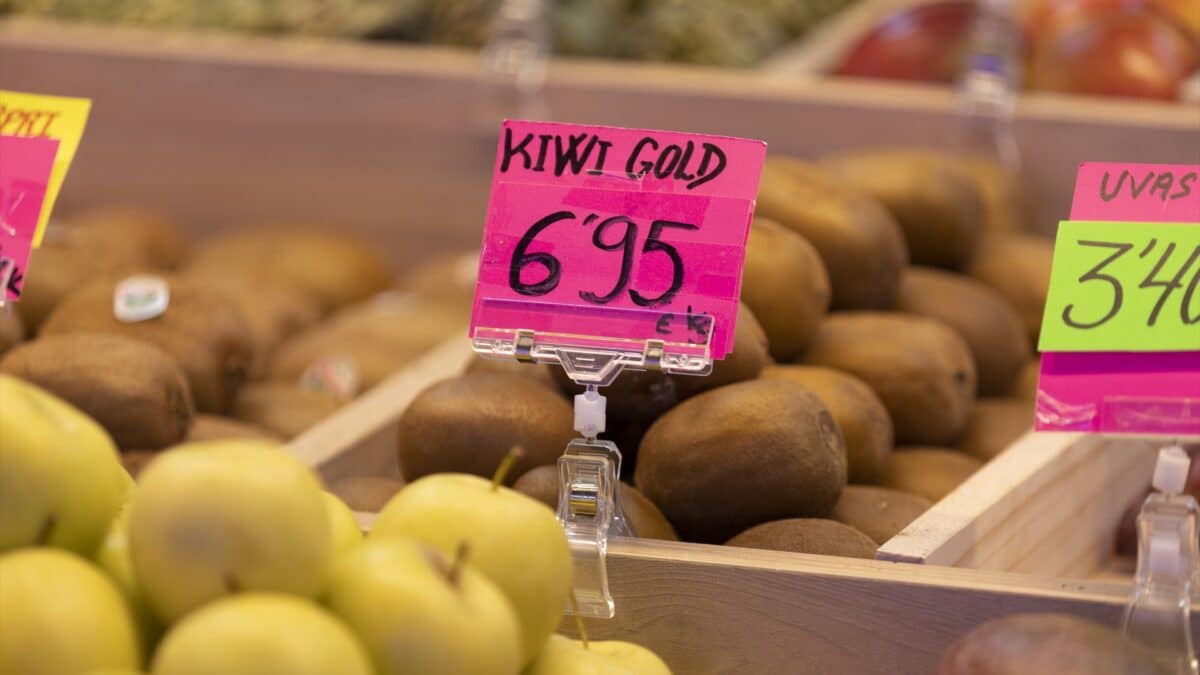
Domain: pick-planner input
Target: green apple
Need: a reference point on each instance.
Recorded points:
(59, 614)
(564, 656)
(113, 558)
(261, 634)
(216, 518)
(61, 481)
(417, 612)
(636, 658)
(345, 530)
(514, 540)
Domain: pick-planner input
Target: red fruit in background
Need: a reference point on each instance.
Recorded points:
(1141, 54)
(1186, 12)
(1044, 18)
(926, 43)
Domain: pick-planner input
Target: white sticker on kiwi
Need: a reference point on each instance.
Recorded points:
(140, 298)
(336, 375)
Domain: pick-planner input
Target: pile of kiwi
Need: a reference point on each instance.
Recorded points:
(883, 353)
(267, 330)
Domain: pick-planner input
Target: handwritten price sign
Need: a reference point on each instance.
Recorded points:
(618, 234)
(1124, 287)
(25, 168)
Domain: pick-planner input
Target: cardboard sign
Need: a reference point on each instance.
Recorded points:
(55, 117)
(605, 236)
(1124, 287)
(25, 169)
(1137, 193)
(1137, 283)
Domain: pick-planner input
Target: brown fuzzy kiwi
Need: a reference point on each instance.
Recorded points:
(131, 388)
(928, 472)
(539, 373)
(376, 337)
(880, 513)
(329, 266)
(741, 455)
(201, 329)
(366, 493)
(644, 518)
(1026, 385)
(272, 312)
(939, 208)
(859, 413)
(283, 409)
(12, 328)
(920, 368)
(1017, 266)
(860, 243)
(217, 428)
(995, 423)
(817, 536)
(981, 316)
(1006, 199)
(447, 279)
(468, 424)
(158, 241)
(785, 284)
(1047, 644)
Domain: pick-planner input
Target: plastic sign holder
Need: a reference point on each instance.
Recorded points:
(26, 164)
(515, 58)
(988, 86)
(609, 249)
(1120, 346)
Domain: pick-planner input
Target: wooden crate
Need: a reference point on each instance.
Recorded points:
(387, 141)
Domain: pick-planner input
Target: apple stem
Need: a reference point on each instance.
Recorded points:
(506, 466)
(579, 619)
(460, 560)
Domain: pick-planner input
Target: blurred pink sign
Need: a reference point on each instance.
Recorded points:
(1145, 193)
(603, 236)
(25, 164)
(1128, 392)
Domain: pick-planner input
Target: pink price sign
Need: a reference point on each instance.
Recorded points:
(25, 165)
(598, 236)
(1139, 392)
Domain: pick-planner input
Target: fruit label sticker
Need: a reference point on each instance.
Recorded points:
(55, 117)
(601, 236)
(1121, 331)
(140, 298)
(1138, 193)
(25, 168)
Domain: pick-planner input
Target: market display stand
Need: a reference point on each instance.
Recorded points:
(388, 142)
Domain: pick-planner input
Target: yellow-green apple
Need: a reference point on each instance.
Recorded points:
(113, 558)
(61, 481)
(59, 614)
(419, 612)
(261, 634)
(564, 656)
(345, 531)
(634, 657)
(222, 517)
(514, 540)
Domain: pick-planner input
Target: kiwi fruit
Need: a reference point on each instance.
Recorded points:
(131, 388)
(785, 284)
(1006, 203)
(201, 329)
(751, 353)
(817, 536)
(878, 512)
(1017, 266)
(217, 428)
(928, 472)
(272, 312)
(447, 279)
(740, 455)
(467, 424)
(1047, 644)
(283, 409)
(366, 493)
(938, 207)
(990, 326)
(995, 424)
(860, 243)
(920, 368)
(157, 241)
(536, 372)
(1025, 387)
(331, 267)
(644, 518)
(856, 409)
(12, 328)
